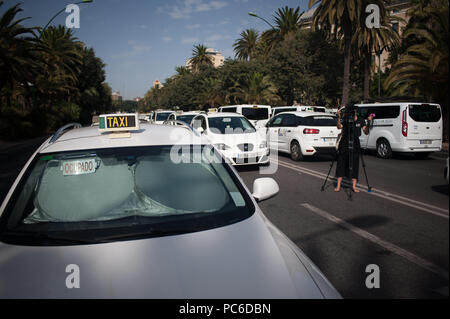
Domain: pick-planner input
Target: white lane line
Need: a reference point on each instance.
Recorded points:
(437, 211)
(443, 210)
(377, 240)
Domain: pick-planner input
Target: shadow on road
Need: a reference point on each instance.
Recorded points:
(442, 189)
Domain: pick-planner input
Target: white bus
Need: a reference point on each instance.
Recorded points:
(403, 127)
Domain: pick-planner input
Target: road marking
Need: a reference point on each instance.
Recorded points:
(428, 208)
(377, 240)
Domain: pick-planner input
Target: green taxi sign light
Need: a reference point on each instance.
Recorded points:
(118, 122)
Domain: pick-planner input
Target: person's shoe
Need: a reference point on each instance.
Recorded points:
(355, 190)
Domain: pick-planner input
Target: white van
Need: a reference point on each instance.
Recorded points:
(258, 115)
(403, 127)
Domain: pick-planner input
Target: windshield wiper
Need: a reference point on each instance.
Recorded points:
(43, 236)
(145, 234)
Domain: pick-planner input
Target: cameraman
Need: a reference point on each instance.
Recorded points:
(345, 124)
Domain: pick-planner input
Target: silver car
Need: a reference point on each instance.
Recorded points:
(94, 215)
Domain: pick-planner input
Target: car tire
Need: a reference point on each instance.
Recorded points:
(384, 149)
(296, 151)
(421, 155)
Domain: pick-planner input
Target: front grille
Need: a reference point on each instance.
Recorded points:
(245, 147)
(250, 160)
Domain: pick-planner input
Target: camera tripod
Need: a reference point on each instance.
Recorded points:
(350, 124)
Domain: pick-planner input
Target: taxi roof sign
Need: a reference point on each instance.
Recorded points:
(119, 122)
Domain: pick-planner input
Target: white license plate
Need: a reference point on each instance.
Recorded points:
(79, 167)
(427, 142)
(246, 155)
(329, 139)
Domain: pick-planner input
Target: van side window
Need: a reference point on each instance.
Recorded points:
(229, 109)
(381, 112)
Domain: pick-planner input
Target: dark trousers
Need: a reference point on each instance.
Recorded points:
(343, 161)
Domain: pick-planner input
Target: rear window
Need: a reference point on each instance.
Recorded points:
(317, 121)
(319, 109)
(425, 113)
(255, 114)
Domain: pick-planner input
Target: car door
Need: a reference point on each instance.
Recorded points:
(286, 131)
(273, 127)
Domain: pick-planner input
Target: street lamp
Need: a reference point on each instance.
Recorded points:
(59, 12)
(252, 14)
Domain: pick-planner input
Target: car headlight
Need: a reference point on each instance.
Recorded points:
(222, 147)
(263, 144)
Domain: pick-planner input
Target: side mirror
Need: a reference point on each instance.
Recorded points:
(200, 130)
(265, 188)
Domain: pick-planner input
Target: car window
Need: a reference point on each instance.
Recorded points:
(117, 192)
(186, 118)
(162, 116)
(277, 111)
(229, 109)
(230, 125)
(255, 114)
(425, 113)
(276, 121)
(317, 120)
(381, 112)
(289, 120)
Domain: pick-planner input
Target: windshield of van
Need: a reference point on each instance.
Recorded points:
(425, 113)
(230, 125)
(103, 195)
(255, 114)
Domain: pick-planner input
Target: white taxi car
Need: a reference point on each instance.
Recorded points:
(160, 116)
(303, 133)
(234, 136)
(130, 210)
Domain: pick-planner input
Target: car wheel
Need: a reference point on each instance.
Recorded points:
(422, 155)
(384, 149)
(296, 152)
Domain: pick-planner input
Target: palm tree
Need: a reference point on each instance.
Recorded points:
(424, 67)
(181, 71)
(17, 57)
(374, 40)
(212, 95)
(341, 16)
(257, 89)
(286, 21)
(61, 57)
(200, 56)
(245, 46)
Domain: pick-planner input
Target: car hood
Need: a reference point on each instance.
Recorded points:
(242, 260)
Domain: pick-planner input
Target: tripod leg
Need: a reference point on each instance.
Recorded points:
(369, 188)
(329, 172)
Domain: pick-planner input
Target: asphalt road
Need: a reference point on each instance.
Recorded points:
(402, 226)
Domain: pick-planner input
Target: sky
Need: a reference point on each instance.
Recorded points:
(144, 40)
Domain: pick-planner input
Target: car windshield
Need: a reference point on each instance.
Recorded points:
(102, 195)
(256, 113)
(230, 125)
(425, 113)
(186, 118)
(277, 111)
(163, 116)
(321, 120)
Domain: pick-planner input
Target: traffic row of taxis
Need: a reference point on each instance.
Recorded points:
(248, 139)
(127, 209)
